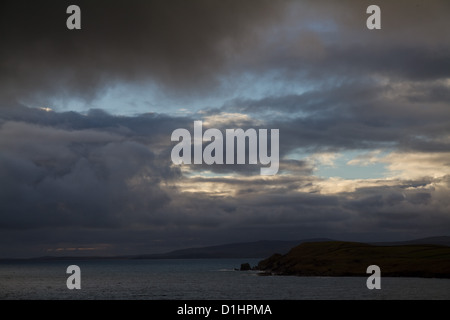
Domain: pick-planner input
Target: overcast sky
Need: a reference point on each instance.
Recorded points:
(86, 118)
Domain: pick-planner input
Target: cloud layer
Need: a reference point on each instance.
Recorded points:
(105, 184)
(179, 45)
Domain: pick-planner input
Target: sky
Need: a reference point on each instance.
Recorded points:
(86, 118)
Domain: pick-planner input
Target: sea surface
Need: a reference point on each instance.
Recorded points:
(199, 279)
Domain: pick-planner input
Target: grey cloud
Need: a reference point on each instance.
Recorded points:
(87, 177)
(176, 44)
(80, 173)
(189, 47)
(355, 115)
(329, 41)
(356, 61)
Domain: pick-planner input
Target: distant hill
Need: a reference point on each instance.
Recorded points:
(258, 249)
(339, 258)
(264, 248)
(443, 241)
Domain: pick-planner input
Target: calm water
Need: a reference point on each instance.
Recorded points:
(196, 279)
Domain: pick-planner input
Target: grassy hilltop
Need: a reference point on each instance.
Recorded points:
(338, 258)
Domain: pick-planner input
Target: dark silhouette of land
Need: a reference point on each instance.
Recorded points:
(257, 249)
(339, 258)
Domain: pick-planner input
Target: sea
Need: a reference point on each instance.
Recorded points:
(195, 279)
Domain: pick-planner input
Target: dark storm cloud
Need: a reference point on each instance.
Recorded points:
(188, 47)
(328, 41)
(177, 44)
(104, 178)
(107, 181)
(96, 174)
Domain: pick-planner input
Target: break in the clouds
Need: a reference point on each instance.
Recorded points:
(86, 118)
